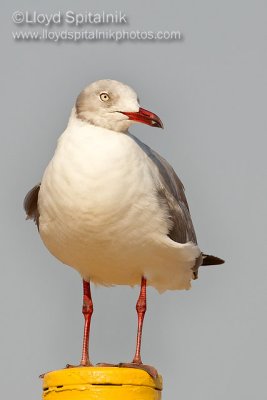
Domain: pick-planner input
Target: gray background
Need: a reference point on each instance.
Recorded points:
(210, 91)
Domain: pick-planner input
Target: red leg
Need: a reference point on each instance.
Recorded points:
(87, 312)
(141, 310)
(137, 361)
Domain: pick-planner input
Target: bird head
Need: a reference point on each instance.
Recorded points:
(113, 105)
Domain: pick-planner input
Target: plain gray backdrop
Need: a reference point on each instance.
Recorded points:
(210, 91)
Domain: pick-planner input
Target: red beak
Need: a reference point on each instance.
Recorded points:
(144, 116)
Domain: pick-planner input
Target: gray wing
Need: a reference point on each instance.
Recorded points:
(171, 193)
(30, 204)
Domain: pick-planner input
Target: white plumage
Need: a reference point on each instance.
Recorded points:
(100, 213)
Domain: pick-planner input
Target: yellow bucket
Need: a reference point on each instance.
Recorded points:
(101, 383)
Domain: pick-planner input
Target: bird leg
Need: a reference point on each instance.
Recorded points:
(141, 310)
(87, 311)
(137, 361)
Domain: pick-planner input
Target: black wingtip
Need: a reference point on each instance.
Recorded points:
(211, 260)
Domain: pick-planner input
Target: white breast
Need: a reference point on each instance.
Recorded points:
(99, 212)
(97, 196)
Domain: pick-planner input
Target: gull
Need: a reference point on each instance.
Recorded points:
(114, 209)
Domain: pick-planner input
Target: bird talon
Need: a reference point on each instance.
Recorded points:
(147, 368)
(106, 365)
(79, 365)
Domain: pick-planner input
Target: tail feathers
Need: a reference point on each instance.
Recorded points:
(211, 260)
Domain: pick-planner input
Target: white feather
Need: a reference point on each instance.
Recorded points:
(99, 212)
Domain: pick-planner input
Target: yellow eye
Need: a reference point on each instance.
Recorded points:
(104, 96)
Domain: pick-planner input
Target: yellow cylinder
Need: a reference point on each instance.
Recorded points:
(101, 383)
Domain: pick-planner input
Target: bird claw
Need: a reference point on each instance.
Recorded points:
(80, 365)
(68, 366)
(148, 368)
(106, 365)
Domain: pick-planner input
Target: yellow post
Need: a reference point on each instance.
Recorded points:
(101, 383)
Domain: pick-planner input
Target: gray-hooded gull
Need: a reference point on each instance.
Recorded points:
(112, 208)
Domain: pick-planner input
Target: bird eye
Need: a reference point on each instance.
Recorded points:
(104, 96)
